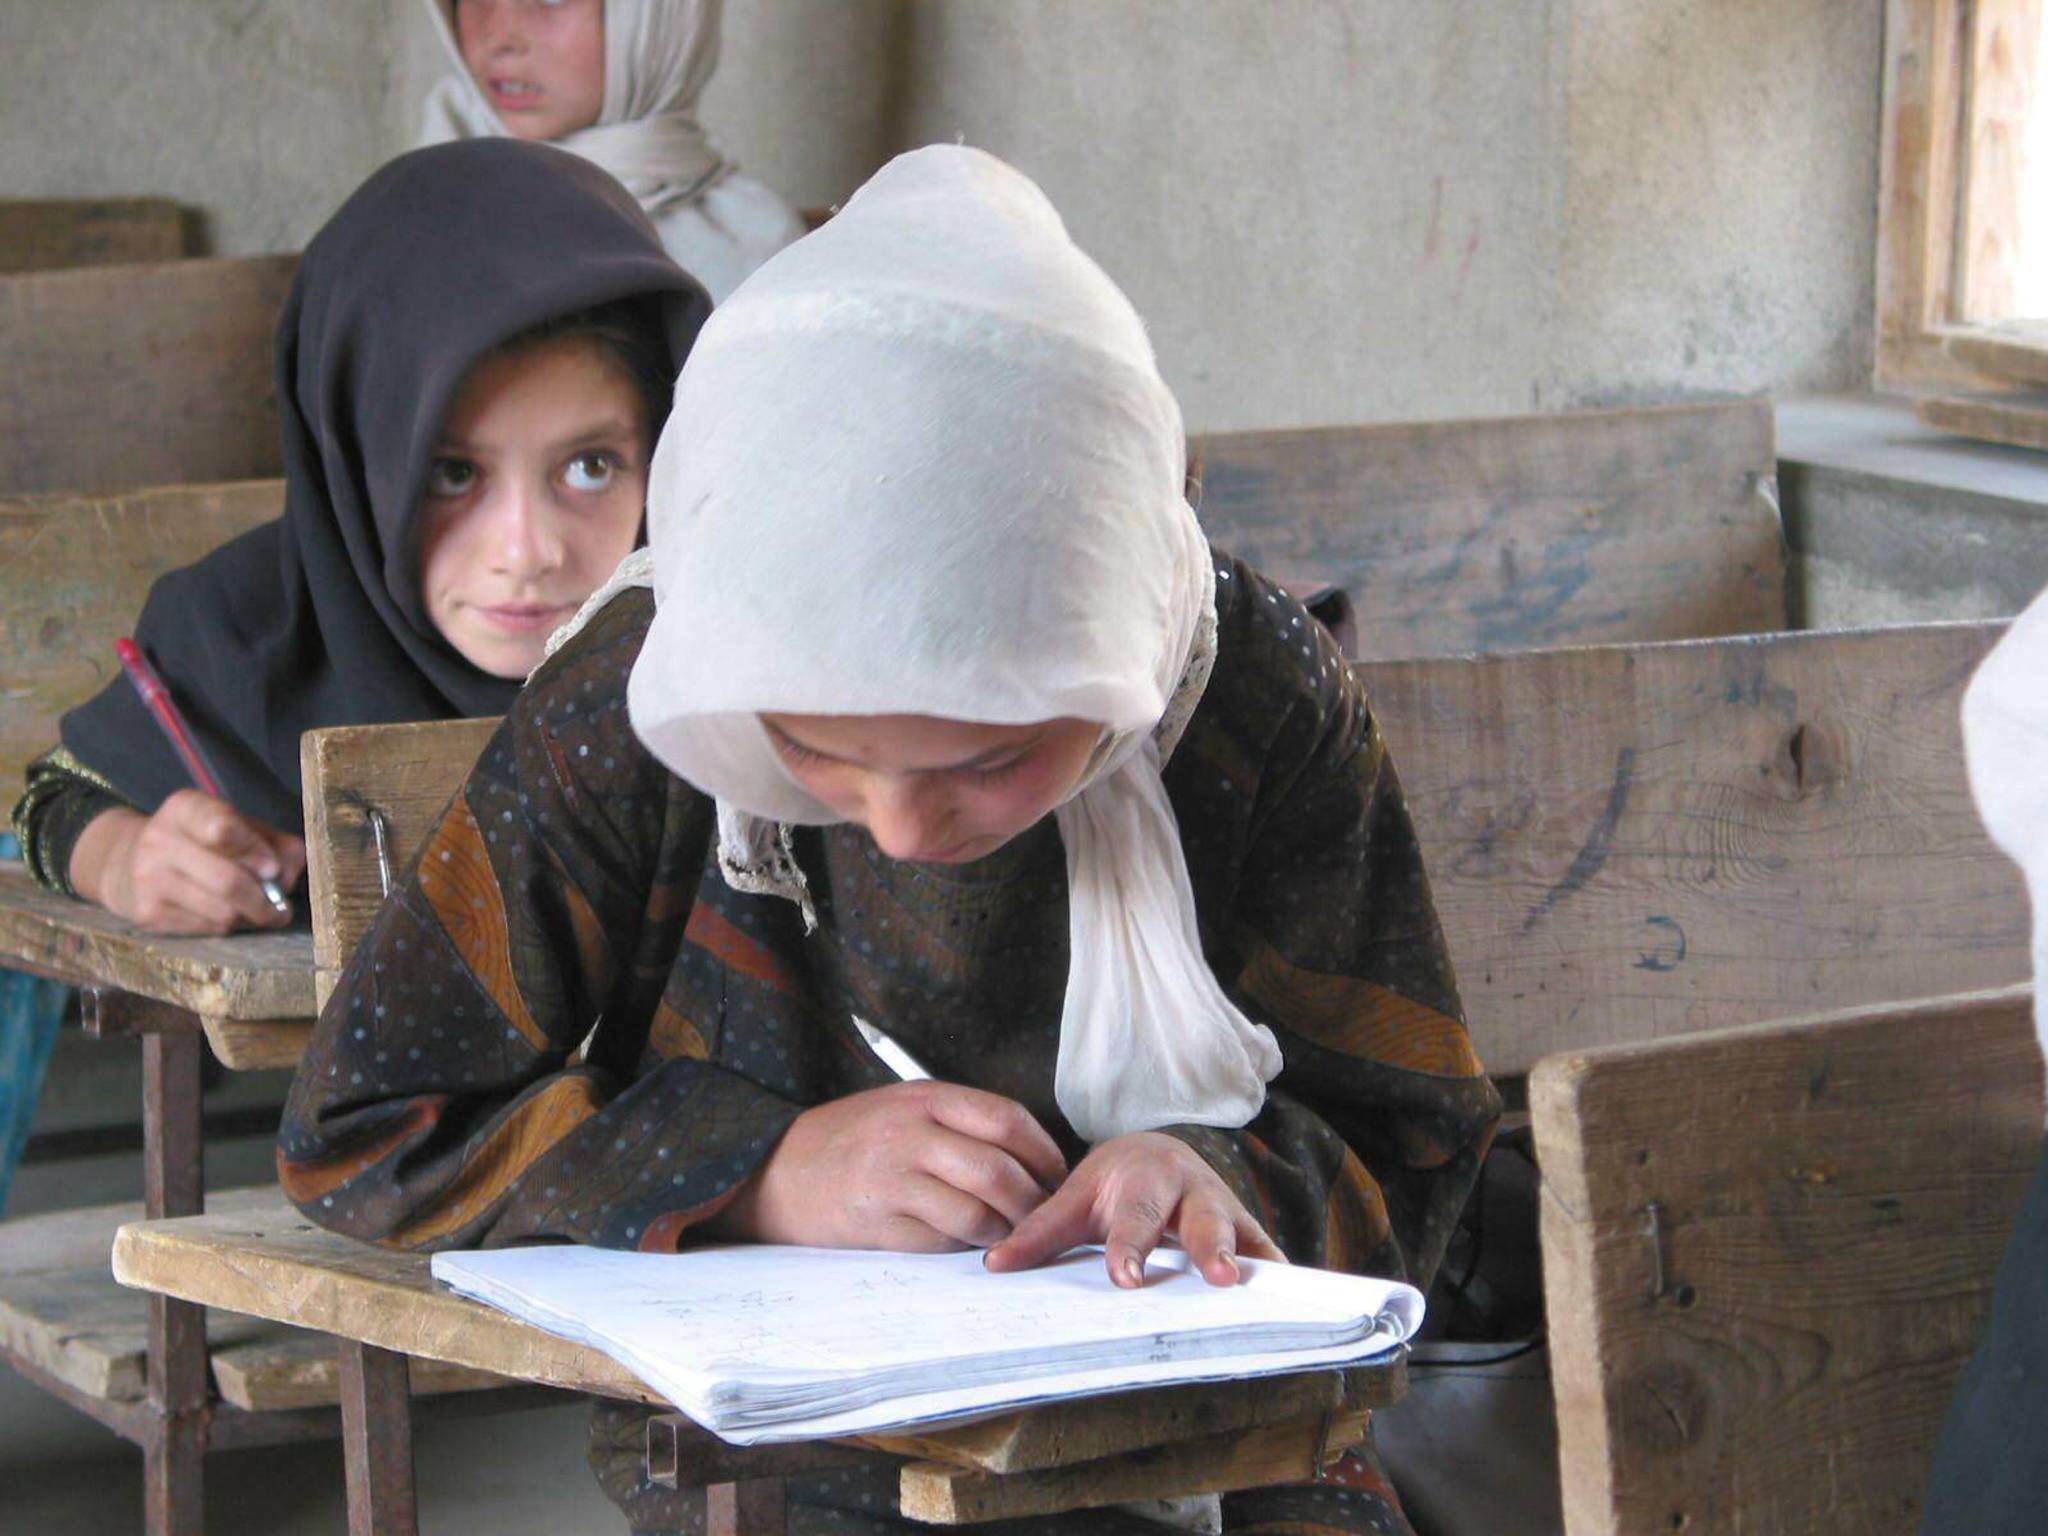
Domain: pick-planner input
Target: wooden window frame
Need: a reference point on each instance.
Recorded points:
(1942, 60)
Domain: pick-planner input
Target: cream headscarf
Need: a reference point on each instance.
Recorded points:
(922, 462)
(658, 57)
(2005, 741)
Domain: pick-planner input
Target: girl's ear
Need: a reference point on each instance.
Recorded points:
(1191, 484)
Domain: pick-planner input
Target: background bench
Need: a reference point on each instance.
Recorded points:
(37, 234)
(126, 376)
(1509, 532)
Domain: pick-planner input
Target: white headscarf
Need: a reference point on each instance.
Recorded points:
(2005, 741)
(658, 57)
(923, 462)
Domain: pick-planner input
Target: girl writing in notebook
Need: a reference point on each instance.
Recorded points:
(928, 719)
(616, 81)
(472, 367)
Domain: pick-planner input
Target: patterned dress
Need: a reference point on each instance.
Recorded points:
(565, 1026)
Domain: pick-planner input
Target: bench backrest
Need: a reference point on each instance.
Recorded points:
(1776, 1349)
(39, 234)
(126, 376)
(1573, 529)
(1633, 841)
(77, 571)
(1625, 842)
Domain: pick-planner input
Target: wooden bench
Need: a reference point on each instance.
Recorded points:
(77, 571)
(1767, 1253)
(1514, 532)
(384, 1309)
(152, 374)
(38, 234)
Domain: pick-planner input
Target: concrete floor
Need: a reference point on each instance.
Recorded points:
(61, 1474)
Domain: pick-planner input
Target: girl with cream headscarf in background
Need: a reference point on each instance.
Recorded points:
(617, 82)
(946, 846)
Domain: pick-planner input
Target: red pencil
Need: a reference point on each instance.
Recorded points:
(156, 698)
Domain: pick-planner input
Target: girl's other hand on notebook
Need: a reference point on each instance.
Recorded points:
(192, 867)
(1129, 1194)
(920, 1167)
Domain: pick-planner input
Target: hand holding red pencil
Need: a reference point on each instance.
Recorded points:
(197, 865)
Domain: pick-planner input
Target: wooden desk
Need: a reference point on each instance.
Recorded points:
(384, 1308)
(252, 997)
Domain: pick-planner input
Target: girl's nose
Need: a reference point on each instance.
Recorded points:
(526, 540)
(908, 821)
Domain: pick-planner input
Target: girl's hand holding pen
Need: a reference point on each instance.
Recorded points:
(194, 867)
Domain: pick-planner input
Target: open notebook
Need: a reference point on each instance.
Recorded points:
(764, 1343)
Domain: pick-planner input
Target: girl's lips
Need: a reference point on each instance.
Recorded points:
(524, 618)
(514, 95)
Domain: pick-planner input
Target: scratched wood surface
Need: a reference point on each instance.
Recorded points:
(250, 977)
(1833, 1199)
(1653, 524)
(38, 234)
(271, 1262)
(405, 773)
(78, 569)
(1628, 842)
(152, 374)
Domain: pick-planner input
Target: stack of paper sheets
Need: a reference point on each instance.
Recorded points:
(764, 1343)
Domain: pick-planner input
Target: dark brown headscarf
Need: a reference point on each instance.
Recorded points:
(318, 619)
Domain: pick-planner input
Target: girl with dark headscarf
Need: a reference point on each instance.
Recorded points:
(472, 368)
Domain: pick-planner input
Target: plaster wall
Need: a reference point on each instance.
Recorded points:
(1328, 210)
(262, 116)
(1377, 210)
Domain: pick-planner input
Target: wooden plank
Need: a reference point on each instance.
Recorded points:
(2016, 350)
(1631, 842)
(1656, 524)
(1833, 1196)
(255, 1045)
(406, 773)
(1107, 1426)
(939, 1494)
(2018, 420)
(62, 1312)
(273, 1263)
(38, 234)
(117, 377)
(2004, 38)
(78, 569)
(245, 976)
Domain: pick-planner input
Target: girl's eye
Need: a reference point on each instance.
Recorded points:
(591, 471)
(451, 477)
(1000, 772)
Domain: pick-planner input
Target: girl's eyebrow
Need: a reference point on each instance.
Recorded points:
(1009, 749)
(610, 427)
(598, 431)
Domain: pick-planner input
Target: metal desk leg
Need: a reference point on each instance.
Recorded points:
(174, 1185)
(376, 1439)
(752, 1508)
